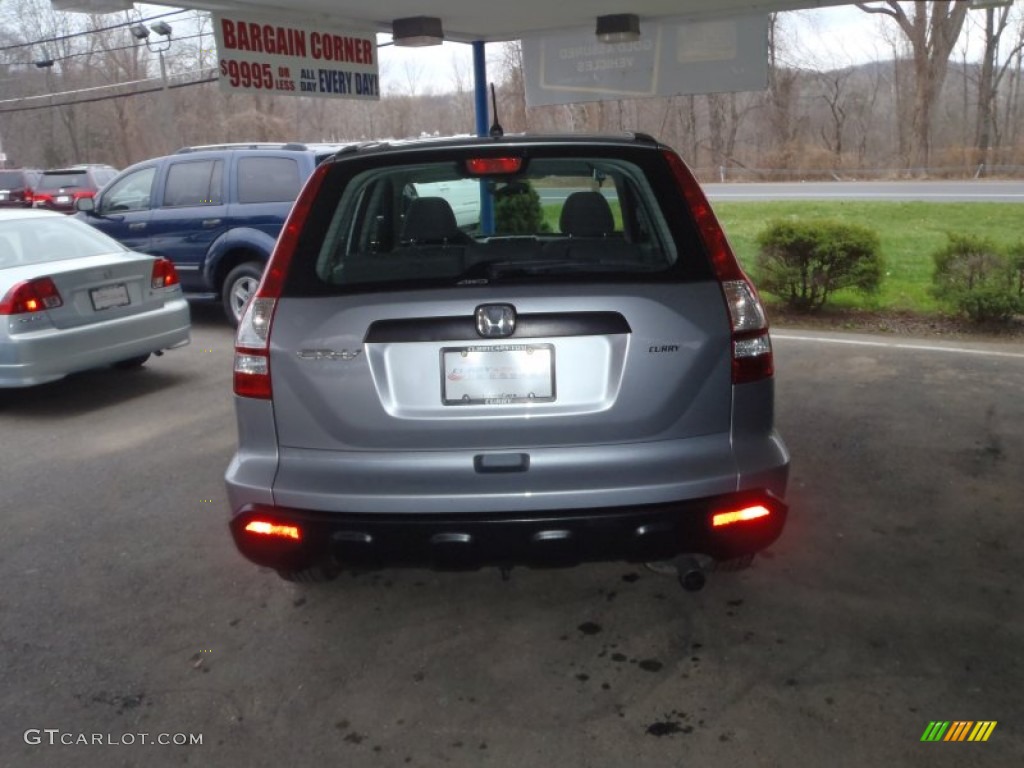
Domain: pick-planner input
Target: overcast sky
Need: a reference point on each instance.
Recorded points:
(819, 38)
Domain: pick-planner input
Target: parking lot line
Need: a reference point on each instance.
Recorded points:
(897, 345)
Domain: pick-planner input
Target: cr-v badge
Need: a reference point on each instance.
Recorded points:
(328, 354)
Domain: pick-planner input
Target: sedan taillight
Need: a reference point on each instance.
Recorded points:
(31, 296)
(164, 274)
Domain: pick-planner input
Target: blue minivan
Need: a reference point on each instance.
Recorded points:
(215, 211)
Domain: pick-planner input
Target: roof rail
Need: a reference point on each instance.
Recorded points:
(290, 146)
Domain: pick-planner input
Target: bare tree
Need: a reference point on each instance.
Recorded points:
(990, 78)
(513, 112)
(932, 30)
(1013, 112)
(835, 94)
(782, 89)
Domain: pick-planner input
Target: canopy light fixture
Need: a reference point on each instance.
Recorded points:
(417, 31)
(618, 28)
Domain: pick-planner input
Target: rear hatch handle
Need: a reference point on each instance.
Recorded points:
(486, 463)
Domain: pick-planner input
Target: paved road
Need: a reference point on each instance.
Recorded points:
(929, 191)
(894, 597)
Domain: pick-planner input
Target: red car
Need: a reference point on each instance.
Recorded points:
(17, 186)
(58, 189)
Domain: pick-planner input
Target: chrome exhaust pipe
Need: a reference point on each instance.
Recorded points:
(692, 575)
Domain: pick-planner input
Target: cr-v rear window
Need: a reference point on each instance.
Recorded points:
(553, 218)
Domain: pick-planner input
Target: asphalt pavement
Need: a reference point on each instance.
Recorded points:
(893, 598)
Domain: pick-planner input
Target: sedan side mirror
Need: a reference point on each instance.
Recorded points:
(85, 204)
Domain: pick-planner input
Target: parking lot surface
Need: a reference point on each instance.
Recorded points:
(893, 599)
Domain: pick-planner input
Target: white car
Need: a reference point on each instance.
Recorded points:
(463, 195)
(72, 299)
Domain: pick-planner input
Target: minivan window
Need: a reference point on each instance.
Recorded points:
(268, 180)
(194, 183)
(130, 193)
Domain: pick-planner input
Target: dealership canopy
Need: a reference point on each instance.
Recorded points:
(468, 20)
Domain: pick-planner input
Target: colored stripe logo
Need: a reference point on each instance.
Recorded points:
(958, 730)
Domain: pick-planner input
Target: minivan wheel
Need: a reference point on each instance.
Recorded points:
(239, 286)
(315, 574)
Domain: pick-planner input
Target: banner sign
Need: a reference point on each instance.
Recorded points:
(295, 58)
(672, 56)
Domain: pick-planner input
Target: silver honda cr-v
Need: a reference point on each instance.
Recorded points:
(584, 373)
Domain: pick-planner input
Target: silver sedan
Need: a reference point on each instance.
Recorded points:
(72, 299)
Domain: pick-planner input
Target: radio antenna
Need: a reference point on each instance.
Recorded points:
(496, 130)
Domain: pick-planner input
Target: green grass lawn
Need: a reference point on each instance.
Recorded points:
(909, 233)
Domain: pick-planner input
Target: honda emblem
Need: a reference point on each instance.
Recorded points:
(495, 320)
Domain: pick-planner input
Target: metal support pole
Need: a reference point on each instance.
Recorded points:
(170, 124)
(480, 88)
(482, 129)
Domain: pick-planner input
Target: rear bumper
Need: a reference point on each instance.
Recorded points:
(49, 354)
(546, 538)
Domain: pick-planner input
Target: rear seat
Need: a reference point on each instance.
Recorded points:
(431, 245)
(589, 228)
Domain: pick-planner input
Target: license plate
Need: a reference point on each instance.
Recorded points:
(498, 375)
(3, 196)
(109, 296)
(63, 198)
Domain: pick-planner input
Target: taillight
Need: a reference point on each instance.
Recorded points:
(752, 358)
(28, 195)
(252, 349)
(31, 296)
(273, 530)
(252, 341)
(164, 274)
(732, 517)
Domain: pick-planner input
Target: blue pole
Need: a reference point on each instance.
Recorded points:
(482, 129)
(480, 87)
